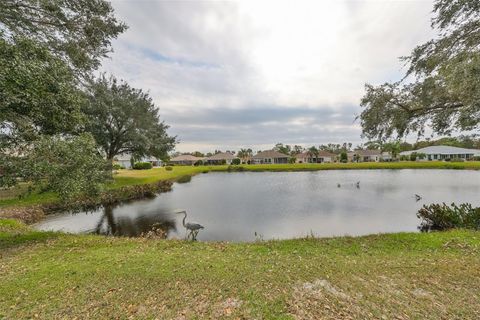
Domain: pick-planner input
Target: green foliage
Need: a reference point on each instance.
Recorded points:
(421, 155)
(198, 163)
(68, 166)
(117, 166)
(142, 166)
(168, 168)
(236, 161)
(285, 149)
(343, 157)
(413, 156)
(446, 82)
(444, 217)
(76, 31)
(124, 120)
(292, 160)
(38, 94)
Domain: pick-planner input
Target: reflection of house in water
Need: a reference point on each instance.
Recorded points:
(159, 223)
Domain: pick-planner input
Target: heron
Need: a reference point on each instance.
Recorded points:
(417, 197)
(192, 228)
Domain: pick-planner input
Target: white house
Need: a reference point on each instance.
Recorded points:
(124, 160)
(444, 153)
(366, 155)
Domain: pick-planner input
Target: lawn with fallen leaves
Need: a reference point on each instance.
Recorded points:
(50, 275)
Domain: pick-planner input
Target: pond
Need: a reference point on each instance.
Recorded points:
(247, 206)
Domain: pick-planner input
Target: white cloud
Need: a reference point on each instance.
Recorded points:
(205, 63)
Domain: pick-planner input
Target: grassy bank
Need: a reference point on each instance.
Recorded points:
(396, 276)
(138, 177)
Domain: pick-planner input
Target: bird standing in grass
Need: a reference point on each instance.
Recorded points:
(192, 228)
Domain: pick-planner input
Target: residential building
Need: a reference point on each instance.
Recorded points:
(220, 158)
(320, 157)
(125, 160)
(185, 159)
(444, 153)
(366, 156)
(270, 157)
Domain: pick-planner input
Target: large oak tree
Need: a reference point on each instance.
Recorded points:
(441, 87)
(125, 120)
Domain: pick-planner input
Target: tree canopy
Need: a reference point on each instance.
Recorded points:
(441, 87)
(125, 120)
(77, 31)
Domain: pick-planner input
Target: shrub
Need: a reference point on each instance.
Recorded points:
(198, 163)
(168, 168)
(457, 160)
(184, 179)
(413, 156)
(142, 166)
(236, 161)
(292, 160)
(404, 158)
(343, 157)
(444, 217)
(477, 158)
(117, 166)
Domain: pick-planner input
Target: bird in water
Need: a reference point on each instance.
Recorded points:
(358, 184)
(417, 197)
(192, 228)
(338, 185)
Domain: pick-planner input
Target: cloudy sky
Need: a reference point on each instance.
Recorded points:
(227, 75)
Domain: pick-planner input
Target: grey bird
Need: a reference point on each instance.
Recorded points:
(358, 184)
(192, 228)
(338, 185)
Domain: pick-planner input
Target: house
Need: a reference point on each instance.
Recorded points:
(443, 153)
(125, 160)
(320, 157)
(220, 158)
(185, 159)
(270, 157)
(366, 156)
(386, 156)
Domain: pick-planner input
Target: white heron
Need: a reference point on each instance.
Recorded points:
(192, 228)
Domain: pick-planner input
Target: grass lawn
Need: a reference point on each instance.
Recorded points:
(134, 177)
(395, 276)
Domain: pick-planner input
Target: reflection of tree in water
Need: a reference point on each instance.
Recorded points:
(156, 225)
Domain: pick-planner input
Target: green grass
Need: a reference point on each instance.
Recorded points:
(395, 276)
(136, 177)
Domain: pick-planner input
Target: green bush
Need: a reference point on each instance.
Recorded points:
(142, 166)
(343, 157)
(198, 163)
(184, 179)
(117, 166)
(236, 161)
(444, 217)
(413, 156)
(169, 168)
(457, 160)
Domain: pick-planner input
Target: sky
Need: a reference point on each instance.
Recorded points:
(230, 75)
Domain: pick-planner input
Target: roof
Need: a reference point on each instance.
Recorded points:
(320, 153)
(367, 152)
(127, 157)
(269, 154)
(221, 156)
(442, 150)
(186, 157)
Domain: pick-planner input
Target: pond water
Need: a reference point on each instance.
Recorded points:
(246, 206)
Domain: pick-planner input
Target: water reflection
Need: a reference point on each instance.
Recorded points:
(152, 224)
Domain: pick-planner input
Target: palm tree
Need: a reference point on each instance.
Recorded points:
(313, 151)
(245, 155)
